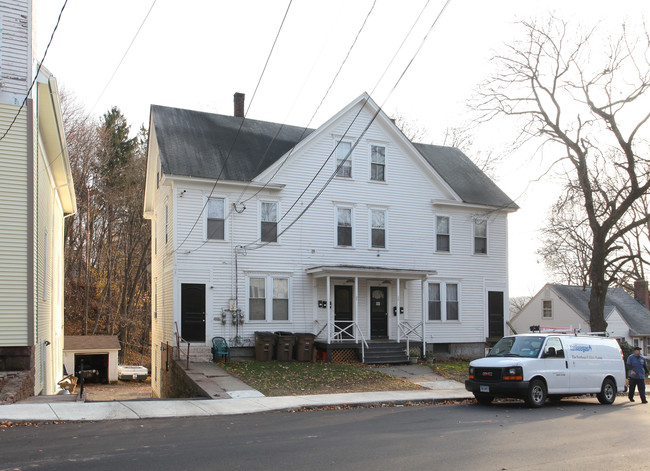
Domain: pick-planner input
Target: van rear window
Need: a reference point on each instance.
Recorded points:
(526, 347)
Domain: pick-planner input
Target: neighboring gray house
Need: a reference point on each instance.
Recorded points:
(390, 239)
(567, 307)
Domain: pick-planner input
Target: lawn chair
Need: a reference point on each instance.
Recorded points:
(220, 349)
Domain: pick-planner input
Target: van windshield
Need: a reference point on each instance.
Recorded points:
(528, 347)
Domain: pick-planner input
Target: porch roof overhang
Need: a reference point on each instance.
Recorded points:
(340, 271)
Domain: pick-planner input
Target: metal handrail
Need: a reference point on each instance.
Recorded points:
(180, 339)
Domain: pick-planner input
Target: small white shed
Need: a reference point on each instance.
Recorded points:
(98, 352)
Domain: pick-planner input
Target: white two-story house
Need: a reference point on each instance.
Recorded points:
(350, 231)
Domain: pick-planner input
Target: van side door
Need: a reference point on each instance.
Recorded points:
(555, 366)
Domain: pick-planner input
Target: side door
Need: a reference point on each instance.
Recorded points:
(193, 312)
(555, 366)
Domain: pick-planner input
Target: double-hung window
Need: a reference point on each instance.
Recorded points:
(378, 228)
(547, 309)
(480, 236)
(378, 163)
(216, 218)
(269, 222)
(442, 234)
(343, 159)
(444, 304)
(268, 298)
(344, 227)
(166, 224)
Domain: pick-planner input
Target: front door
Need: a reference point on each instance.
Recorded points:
(378, 313)
(495, 314)
(343, 312)
(193, 312)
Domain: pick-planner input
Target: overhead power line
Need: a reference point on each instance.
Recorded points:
(38, 70)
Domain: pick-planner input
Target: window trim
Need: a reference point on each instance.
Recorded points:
(166, 223)
(435, 231)
(206, 218)
(474, 236)
(277, 222)
(370, 228)
(444, 301)
(550, 309)
(349, 160)
(337, 207)
(269, 279)
(371, 163)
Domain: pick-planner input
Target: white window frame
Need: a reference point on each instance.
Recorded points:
(277, 222)
(545, 309)
(166, 223)
(46, 264)
(336, 225)
(155, 298)
(348, 162)
(435, 231)
(155, 237)
(646, 340)
(443, 300)
(474, 236)
(206, 218)
(268, 297)
(370, 228)
(371, 163)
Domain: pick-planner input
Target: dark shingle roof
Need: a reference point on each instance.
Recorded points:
(466, 179)
(194, 143)
(634, 313)
(91, 342)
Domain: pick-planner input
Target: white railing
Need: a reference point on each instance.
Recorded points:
(407, 330)
(346, 333)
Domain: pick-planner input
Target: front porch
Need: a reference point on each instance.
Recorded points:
(373, 352)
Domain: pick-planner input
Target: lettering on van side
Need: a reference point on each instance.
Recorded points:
(580, 348)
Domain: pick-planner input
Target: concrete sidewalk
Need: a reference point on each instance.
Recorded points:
(233, 397)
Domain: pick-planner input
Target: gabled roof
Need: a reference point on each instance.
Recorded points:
(197, 144)
(634, 313)
(91, 342)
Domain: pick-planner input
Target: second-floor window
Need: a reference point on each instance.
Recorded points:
(269, 222)
(378, 163)
(216, 218)
(378, 228)
(547, 309)
(344, 227)
(480, 236)
(442, 234)
(343, 164)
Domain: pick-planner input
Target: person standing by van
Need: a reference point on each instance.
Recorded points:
(637, 367)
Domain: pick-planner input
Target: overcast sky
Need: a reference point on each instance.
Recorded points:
(196, 53)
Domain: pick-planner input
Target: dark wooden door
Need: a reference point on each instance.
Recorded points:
(343, 311)
(495, 314)
(193, 312)
(378, 313)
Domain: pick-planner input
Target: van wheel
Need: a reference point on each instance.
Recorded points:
(607, 393)
(536, 395)
(484, 399)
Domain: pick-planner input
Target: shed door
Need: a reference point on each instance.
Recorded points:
(193, 312)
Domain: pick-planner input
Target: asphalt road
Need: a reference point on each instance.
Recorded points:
(576, 434)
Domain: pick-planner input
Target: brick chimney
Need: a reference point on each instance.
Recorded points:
(641, 293)
(239, 105)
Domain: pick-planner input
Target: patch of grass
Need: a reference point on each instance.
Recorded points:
(274, 378)
(451, 369)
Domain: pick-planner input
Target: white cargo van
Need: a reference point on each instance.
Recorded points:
(535, 366)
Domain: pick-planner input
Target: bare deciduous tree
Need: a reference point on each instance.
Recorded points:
(585, 99)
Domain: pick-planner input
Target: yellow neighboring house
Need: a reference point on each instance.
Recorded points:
(36, 195)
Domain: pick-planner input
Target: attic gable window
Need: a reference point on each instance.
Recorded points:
(343, 166)
(547, 309)
(480, 236)
(216, 218)
(378, 163)
(269, 222)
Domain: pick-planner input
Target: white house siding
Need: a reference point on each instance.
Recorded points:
(563, 315)
(407, 197)
(617, 327)
(14, 249)
(15, 52)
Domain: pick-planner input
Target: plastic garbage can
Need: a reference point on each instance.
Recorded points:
(304, 346)
(264, 345)
(284, 348)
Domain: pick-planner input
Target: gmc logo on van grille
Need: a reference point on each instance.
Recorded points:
(486, 373)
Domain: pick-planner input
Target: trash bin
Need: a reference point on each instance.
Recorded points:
(264, 343)
(304, 346)
(286, 341)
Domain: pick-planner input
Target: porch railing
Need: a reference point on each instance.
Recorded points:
(409, 330)
(180, 340)
(346, 333)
